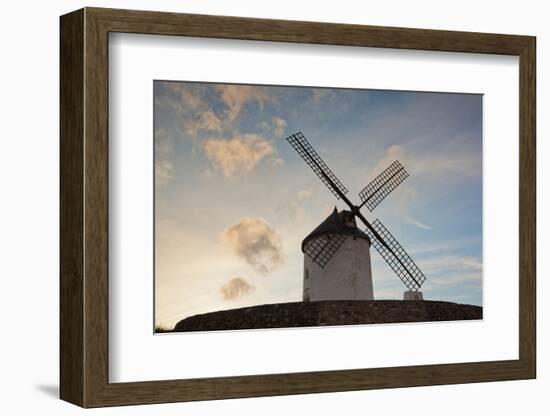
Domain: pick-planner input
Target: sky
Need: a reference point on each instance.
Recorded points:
(233, 201)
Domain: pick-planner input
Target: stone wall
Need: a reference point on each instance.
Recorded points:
(300, 314)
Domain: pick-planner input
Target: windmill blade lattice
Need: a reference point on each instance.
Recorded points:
(383, 185)
(321, 250)
(396, 257)
(310, 156)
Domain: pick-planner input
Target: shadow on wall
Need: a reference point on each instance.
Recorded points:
(51, 390)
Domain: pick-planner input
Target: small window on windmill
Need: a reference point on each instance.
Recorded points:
(306, 274)
(349, 220)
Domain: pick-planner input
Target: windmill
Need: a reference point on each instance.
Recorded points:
(339, 231)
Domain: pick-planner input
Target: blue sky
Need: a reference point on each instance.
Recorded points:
(234, 201)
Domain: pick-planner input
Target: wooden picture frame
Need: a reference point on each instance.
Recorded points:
(84, 207)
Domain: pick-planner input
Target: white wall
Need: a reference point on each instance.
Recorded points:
(29, 217)
(346, 276)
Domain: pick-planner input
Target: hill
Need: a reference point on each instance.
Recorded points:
(344, 312)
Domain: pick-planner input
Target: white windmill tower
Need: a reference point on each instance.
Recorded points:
(348, 275)
(337, 254)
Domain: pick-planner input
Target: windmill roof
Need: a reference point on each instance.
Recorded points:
(335, 223)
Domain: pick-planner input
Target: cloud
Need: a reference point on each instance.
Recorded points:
(418, 165)
(453, 268)
(393, 153)
(472, 263)
(239, 154)
(294, 211)
(277, 161)
(164, 167)
(445, 246)
(275, 127)
(460, 163)
(418, 224)
(188, 97)
(164, 172)
(193, 111)
(279, 126)
(205, 120)
(255, 241)
(304, 194)
(293, 206)
(235, 97)
(236, 288)
(450, 271)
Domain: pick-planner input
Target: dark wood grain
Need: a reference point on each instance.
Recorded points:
(84, 207)
(96, 223)
(527, 208)
(72, 371)
(225, 27)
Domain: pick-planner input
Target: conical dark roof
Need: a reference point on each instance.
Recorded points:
(336, 223)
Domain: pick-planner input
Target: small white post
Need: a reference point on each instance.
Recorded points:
(412, 295)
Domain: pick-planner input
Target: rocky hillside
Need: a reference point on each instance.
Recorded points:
(300, 314)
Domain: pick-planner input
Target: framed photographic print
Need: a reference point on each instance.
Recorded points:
(265, 242)
(256, 207)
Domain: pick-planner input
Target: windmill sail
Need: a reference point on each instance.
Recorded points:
(383, 185)
(310, 156)
(322, 249)
(385, 243)
(396, 256)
